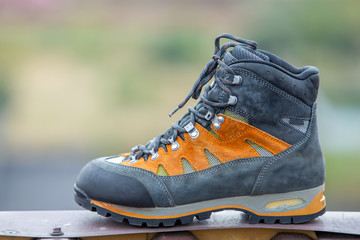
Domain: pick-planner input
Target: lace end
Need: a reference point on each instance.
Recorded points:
(174, 111)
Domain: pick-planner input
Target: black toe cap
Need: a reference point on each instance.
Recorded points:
(106, 186)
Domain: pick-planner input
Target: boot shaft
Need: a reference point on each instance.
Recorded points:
(274, 96)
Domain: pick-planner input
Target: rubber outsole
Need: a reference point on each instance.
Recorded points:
(85, 202)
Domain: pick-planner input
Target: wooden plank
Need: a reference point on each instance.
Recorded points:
(88, 224)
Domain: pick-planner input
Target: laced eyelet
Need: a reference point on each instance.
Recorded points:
(220, 119)
(217, 126)
(232, 100)
(154, 155)
(174, 144)
(209, 115)
(217, 121)
(191, 129)
(237, 79)
(233, 79)
(132, 159)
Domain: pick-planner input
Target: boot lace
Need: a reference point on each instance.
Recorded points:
(181, 127)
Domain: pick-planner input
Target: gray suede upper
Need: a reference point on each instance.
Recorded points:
(300, 167)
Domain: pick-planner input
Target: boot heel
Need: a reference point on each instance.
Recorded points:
(291, 210)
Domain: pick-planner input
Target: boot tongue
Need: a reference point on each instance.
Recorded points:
(241, 52)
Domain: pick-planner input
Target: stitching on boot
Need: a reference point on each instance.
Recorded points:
(265, 168)
(275, 89)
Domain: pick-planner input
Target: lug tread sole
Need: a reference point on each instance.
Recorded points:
(253, 218)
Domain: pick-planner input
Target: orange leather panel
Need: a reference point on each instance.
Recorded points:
(230, 145)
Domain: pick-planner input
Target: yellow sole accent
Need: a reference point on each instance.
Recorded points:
(316, 205)
(281, 203)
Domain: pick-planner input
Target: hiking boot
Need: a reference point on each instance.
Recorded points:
(250, 144)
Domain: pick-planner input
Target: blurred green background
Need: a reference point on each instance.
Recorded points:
(83, 79)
